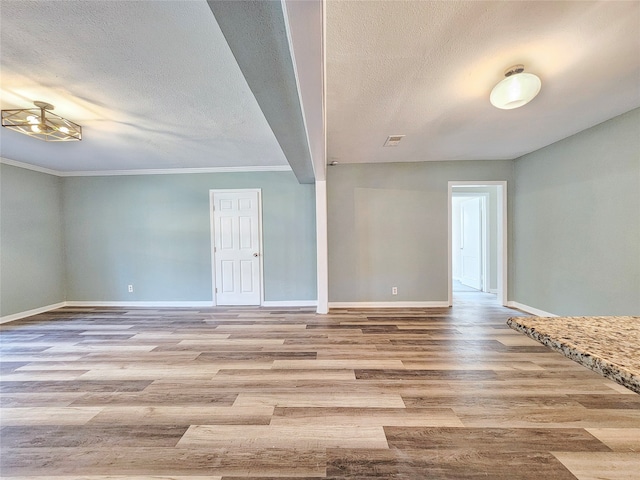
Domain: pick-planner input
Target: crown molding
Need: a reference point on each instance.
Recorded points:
(28, 166)
(177, 171)
(150, 171)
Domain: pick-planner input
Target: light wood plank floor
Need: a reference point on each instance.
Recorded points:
(222, 393)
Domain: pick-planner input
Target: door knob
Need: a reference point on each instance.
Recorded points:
(256, 254)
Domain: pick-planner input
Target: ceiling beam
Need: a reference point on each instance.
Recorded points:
(257, 35)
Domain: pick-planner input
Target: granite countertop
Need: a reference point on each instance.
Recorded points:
(607, 345)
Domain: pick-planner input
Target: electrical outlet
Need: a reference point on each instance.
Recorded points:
(394, 290)
(130, 287)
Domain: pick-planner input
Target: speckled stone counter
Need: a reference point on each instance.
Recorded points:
(607, 345)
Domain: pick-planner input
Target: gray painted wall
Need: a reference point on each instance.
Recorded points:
(31, 240)
(574, 210)
(153, 231)
(576, 243)
(388, 227)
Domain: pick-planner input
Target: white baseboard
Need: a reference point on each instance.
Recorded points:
(188, 304)
(388, 304)
(532, 310)
(178, 304)
(290, 303)
(170, 304)
(29, 313)
(493, 291)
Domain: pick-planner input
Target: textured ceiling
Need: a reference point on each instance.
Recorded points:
(156, 86)
(425, 69)
(153, 83)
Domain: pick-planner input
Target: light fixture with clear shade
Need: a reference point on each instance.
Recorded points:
(41, 123)
(516, 90)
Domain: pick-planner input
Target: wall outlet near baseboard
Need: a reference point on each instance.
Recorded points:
(394, 290)
(130, 288)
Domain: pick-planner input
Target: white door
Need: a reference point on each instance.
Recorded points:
(471, 243)
(236, 247)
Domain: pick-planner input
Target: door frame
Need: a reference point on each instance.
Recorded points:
(212, 193)
(503, 257)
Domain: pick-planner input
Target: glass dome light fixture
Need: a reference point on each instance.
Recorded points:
(516, 89)
(41, 123)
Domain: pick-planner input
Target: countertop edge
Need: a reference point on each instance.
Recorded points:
(594, 362)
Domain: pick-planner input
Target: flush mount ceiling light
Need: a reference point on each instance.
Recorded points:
(41, 123)
(516, 90)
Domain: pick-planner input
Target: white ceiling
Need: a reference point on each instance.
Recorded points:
(156, 86)
(153, 84)
(425, 69)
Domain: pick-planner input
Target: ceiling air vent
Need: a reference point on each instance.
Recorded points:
(393, 140)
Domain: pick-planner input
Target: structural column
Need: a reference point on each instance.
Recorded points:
(322, 247)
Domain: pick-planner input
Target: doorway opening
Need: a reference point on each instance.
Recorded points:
(477, 253)
(472, 261)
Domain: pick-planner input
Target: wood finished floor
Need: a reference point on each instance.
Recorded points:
(106, 393)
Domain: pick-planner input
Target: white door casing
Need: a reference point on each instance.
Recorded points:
(502, 240)
(236, 247)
